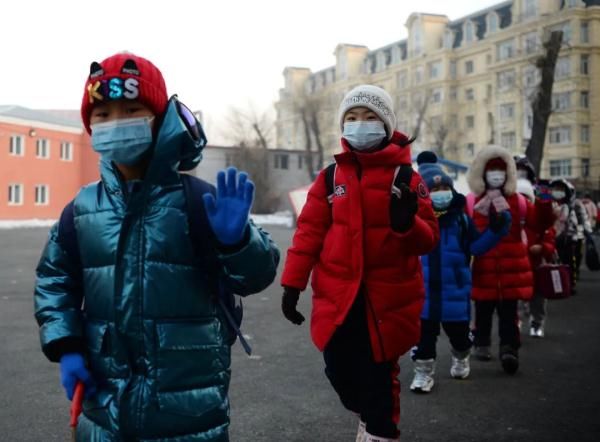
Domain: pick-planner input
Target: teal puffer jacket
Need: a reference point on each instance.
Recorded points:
(141, 308)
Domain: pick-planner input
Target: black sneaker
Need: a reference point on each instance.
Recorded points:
(483, 353)
(509, 357)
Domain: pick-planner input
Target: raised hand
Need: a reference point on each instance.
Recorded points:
(228, 214)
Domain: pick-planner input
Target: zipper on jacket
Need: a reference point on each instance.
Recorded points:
(375, 321)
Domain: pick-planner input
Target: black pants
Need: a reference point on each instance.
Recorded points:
(457, 332)
(570, 252)
(508, 328)
(365, 387)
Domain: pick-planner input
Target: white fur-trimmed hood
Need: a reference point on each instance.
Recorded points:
(475, 175)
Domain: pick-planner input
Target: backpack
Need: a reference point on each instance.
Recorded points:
(402, 175)
(522, 212)
(199, 226)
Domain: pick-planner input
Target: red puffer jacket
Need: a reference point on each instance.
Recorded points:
(349, 246)
(505, 271)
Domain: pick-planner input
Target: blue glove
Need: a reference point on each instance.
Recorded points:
(72, 369)
(500, 223)
(228, 214)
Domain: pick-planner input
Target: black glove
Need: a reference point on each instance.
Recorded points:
(289, 303)
(403, 209)
(500, 222)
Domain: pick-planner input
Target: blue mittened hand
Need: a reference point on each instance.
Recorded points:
(72, 369)
(228, 214)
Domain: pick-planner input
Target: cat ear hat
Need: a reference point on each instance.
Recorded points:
(124, 76)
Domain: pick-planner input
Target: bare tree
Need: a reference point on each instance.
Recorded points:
(420, 108)
(440, 131)
(250, 132)
(542, 102)
(309, 108)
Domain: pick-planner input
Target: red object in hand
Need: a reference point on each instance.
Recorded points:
(77, 404)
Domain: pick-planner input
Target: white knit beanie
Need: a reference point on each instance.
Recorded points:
(371, 97)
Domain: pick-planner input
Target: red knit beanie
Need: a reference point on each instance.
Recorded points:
(495, 163)
(124, 76)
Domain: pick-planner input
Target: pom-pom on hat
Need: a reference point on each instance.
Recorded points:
(371, 97)
(431, 171)
(124, 76)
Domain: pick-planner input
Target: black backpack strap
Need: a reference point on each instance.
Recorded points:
(204, 243)
(464, 236)
(67, 234)
(402, 175)
(330, 181)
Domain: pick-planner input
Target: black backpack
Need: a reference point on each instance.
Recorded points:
(203, 240)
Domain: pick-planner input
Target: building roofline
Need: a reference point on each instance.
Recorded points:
(481, 12)
(30, 117)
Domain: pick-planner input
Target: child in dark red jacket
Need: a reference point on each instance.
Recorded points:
(361, 239)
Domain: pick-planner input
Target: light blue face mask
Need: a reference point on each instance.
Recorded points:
(123, 141)
(441, 199)
(363, 135)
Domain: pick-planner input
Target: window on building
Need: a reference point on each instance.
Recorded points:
(448, 39)
(417, 37)
(41, 195)
(505, 49)
(469, 67)
(584, 32)
(506, 80)
(530, 42)
(585, 167)
(17, 145)
(42, 148)
(492, 22)
(282, 161)
(453, 93)
(507, 111)
(15, 194)
(435, 69)
(563, 68)
(402, 80)
(560, 135)
(508, 140)
(469, 31)
(560, 168)
(469, 121)
(470, 94)
(584, 65)
(437, 95)
(66, 151)
(530, 77)
(471, 149)
(585, 134)
(529, 8)
(584, 99)
(561, 101)
(566, 28)
(418, 75)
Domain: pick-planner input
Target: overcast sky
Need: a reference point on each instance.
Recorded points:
(213, 54)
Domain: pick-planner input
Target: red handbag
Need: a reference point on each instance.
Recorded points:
(553, 281)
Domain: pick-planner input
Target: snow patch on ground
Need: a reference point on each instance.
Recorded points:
(285, 219)
(26, 223)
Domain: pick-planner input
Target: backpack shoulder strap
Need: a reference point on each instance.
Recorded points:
(522, 208)
(67, 234)
(463, 221)
(330, 181)
(204, 242)
(470, 203)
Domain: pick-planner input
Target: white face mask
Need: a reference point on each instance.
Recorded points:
(495, 178)
(363, 135)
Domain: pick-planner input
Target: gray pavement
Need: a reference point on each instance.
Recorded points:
(281, 394)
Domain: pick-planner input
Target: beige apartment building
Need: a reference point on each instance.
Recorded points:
(467, 83)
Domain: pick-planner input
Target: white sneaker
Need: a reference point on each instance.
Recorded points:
(536, 332)
(362, 429)
(423, 380)
(371, 438)
(460, 366)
